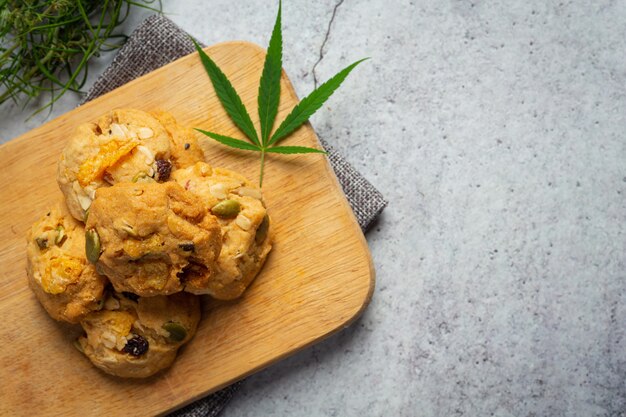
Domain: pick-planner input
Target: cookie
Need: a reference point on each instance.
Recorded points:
(135, 337)
(65, 284)
(153, 239)
(124, 145)
(184, 148)
(243, 219)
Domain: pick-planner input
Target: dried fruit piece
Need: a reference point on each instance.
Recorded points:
(111, 152)
(60, 273)
(177, 332)
(136, 346)
(226, 209)
(163, 168)
(192, 271)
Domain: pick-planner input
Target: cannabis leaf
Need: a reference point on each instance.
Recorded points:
(268, 98)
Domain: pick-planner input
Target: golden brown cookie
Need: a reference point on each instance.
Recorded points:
(153, 238)
(125, 145)
(135, 337)
(65, 284)
(184, 147)
(243, 219)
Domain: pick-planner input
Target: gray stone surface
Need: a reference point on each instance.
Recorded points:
(496, 130)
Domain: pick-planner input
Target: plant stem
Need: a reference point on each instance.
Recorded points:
(8, 51)
(262, 166)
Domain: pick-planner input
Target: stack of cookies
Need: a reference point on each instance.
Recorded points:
(146, 226)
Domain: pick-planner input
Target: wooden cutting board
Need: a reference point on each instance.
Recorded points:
(318, 278)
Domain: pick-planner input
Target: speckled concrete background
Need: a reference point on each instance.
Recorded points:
(497, 131)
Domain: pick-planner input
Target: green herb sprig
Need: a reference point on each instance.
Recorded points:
(268, 98)
(45, 45)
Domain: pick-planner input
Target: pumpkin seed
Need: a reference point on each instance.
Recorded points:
(226, 209)
(78, 346)
(142, 177)
(187, 247)
(60, 238)
(92, 245)
(261, 231)
(177, 332)
(42, 242)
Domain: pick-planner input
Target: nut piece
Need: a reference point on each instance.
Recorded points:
(145, 133)
(226, 209)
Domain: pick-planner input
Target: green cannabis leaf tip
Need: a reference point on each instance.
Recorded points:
(311, 103)
(269, 87)
(232, 142)
(268, 100)
(228, 96)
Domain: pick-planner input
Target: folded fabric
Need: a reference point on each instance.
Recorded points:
(158, 41)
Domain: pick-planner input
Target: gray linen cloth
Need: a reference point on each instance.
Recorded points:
(158, 41)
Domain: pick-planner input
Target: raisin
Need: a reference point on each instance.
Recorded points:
(187, 247)
(136, 346)
(164, 168)
(187, 146)
(130, 296)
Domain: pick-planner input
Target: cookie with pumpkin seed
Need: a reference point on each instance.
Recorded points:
(152, 238)
(124, 145)
(135, 337)
(244, 222)
(65, 284)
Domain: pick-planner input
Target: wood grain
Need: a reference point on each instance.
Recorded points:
(318, 278)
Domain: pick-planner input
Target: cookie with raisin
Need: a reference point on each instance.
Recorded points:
(153, 239)
(243, 220)
(124, 145)
(136, 337)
